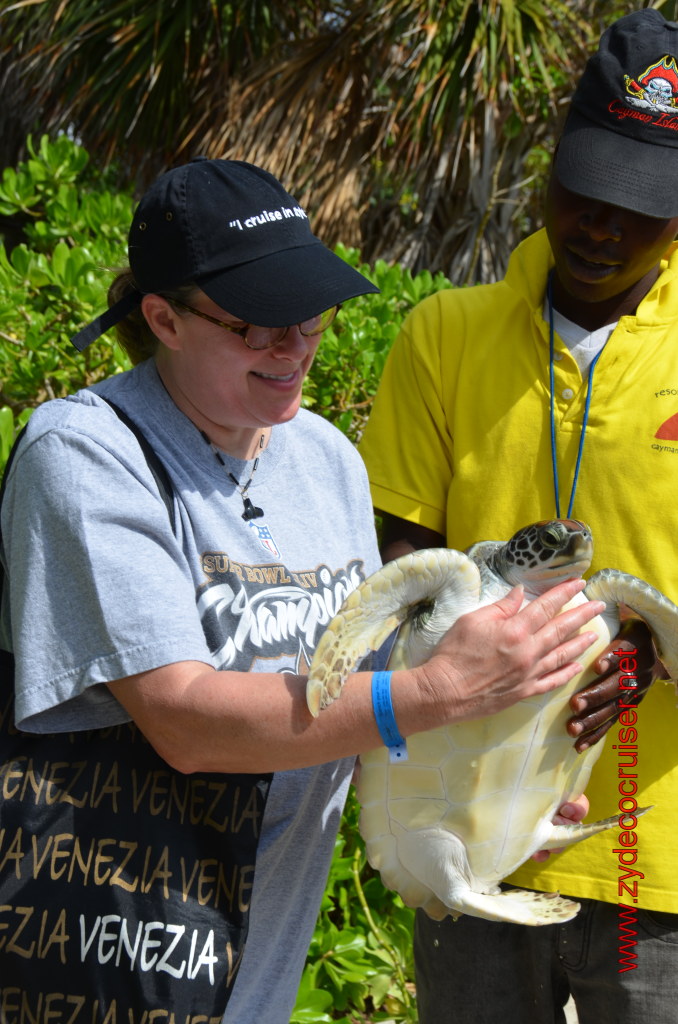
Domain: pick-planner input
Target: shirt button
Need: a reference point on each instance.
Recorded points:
(568, 393)
(558, 356)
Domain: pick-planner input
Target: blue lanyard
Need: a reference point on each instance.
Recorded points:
(587, 406)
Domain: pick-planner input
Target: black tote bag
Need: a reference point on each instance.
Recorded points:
(124, 885)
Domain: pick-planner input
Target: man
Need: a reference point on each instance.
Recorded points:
(554, 392)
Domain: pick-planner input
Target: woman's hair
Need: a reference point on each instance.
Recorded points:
(134, 334)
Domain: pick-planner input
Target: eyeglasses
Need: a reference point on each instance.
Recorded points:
(259, 338)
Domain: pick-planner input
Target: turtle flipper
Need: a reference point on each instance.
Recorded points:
(519, 906)
(656, 610)
(567, 835)
(379, 605)
(440, 858)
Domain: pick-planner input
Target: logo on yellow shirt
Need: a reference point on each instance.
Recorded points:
(669, 429)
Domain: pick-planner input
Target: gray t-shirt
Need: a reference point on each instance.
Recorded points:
(100, 588)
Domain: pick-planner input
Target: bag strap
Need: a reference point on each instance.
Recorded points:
(155, 465)
(10, 460)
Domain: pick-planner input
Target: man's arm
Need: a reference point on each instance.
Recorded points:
(399, 537)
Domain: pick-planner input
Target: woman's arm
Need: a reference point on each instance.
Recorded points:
(200, 719)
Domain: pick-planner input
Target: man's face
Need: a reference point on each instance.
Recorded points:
(607, 258)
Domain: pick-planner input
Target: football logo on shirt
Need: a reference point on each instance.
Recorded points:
(265, 538)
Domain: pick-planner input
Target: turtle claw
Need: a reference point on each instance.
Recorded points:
(314, 697)
(321, 693)
(330, 669)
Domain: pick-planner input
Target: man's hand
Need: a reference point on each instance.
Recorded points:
(596, 707)
(570, 813)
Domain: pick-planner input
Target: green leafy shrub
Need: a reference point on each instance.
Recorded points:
(54, 281)
(359, 966)
(350, 360)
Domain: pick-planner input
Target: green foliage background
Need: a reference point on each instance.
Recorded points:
(73, 229)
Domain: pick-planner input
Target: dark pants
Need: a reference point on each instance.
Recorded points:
(486, 972)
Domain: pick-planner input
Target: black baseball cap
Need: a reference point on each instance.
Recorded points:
(620, 140)
(232, 229)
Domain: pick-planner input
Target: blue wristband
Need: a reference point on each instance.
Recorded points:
(385, 718)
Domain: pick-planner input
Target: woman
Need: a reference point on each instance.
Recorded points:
(200, 633)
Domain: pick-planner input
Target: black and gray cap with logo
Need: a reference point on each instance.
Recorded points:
(232, 229)
(620, 140)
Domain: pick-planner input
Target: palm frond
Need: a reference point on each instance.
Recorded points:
(403, 125)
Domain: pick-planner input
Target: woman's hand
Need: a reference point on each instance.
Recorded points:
(500, 654)
(629, 656)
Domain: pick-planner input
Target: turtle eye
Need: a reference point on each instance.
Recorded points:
(552, 536)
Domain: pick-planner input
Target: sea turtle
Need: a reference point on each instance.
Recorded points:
(476, 799)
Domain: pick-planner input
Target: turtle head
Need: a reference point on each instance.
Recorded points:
(545, 553)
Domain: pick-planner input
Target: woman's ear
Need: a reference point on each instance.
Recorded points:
(163, 320)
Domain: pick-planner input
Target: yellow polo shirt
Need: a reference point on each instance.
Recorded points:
(459, 440)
